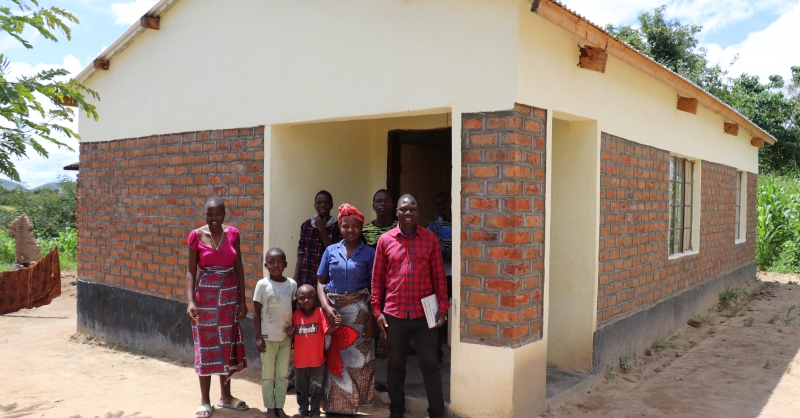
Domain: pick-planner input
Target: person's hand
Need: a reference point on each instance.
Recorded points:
(382, 325)
(369, 330)
(441, 317)
(333, 315)
(289, 330)
(319, 223)
(337, 321)
(191, 312)
(242, 312)
(260, 346)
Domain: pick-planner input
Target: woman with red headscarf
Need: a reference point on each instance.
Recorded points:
(346, 271)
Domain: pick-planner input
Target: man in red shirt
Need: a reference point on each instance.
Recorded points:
(408, 267)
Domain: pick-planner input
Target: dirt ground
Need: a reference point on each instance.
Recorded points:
(743, 361)
(731, 366)
(50, 371)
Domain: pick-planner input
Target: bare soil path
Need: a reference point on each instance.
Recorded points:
(744, 361)
(50, 371)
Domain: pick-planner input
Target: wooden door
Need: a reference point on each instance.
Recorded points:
(424, 172)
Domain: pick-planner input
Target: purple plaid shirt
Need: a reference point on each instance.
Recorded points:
(310, 247)
(406, 270)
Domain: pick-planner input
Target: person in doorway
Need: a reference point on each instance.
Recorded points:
(309, 327)
(408, 267)
(383, 205)
(273, 303)
(316, 234)
(346, 270)
(216, 302)
(443, 229)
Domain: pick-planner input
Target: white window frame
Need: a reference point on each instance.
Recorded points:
(694, 246)
(741, 208)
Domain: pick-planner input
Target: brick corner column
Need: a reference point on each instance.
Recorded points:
(502, 224)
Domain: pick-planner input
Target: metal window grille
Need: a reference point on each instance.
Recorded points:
(739, 176)
(680, 204)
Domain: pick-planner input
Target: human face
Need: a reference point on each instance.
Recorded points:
(383, 204)
(215, 216)
(442, 204)
(275, 264)
(351, 229)
(323, 205)
(407, 212)
(306, 298)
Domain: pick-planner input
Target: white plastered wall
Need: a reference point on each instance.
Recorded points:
(573, 247)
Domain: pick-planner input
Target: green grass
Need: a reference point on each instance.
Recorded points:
(67, 242)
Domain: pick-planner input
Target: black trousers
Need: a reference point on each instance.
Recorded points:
(399, 333)
(308, 383)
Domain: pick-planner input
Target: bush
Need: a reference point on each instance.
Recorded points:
(50, 211)
(67, 243)
(778, 223)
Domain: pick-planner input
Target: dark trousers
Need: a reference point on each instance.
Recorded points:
(308, 383)
(399, 333)
(446, 326)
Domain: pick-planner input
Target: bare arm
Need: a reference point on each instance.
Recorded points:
(297, 267)
(319, 223)
(257, 327)
(237, 267)
(190, 278)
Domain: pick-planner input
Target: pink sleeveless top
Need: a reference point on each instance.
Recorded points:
(207, 256)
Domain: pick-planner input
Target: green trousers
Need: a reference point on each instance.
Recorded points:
(275, 373)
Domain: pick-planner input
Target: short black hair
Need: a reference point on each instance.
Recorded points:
(323, 192)
(379, 192)
(309, 286)
(406, 196)
(274, 250)
(441, 194)
(214, 201)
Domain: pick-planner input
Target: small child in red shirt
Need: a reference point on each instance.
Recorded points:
(309, 327)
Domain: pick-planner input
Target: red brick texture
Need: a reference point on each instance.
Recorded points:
(502, 224)
(634, 271)
(139, 198)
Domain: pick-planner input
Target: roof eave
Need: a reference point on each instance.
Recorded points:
(158, 10)
(581, 27)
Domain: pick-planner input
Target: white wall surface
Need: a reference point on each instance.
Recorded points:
(264, 62)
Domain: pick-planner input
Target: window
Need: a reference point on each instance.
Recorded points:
(741, 205)
(681, 172)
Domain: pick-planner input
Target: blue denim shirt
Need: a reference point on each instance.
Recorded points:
(347, 275)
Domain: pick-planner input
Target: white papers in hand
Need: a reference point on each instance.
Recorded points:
(431, 306)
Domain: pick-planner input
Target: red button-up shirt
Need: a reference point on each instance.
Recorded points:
(407, 269)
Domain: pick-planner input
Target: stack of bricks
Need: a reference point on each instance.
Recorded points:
(139, 198)
(27, 248)
(502, 221)
(635, 271)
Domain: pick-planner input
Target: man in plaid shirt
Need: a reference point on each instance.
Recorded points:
(408, 267)
(316, 234)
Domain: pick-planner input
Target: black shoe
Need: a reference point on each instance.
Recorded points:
(396, 415)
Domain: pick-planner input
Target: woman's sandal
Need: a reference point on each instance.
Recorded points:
(236, 404)
(205, 411)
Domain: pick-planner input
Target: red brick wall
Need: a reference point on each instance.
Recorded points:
(139, 198)
(634, 270)
(502, 221)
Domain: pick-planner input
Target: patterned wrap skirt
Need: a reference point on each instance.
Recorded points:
(349, 357)
(218, 343)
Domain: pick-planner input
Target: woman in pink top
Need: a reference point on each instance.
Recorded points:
(216, 303)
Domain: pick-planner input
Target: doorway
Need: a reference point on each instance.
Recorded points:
(573, 251)
(420, 163)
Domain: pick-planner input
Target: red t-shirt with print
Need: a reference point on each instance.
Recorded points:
(309, 338)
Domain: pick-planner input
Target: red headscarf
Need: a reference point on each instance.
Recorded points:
(348, 211)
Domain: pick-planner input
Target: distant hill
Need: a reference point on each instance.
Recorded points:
(52, 186)
(10, 185)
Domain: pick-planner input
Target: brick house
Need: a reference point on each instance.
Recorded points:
(604, 200)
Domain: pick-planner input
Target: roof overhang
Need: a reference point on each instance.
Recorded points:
(576, 24)
(127, 38)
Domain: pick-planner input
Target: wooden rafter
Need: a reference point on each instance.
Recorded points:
(688, 104)
(592, 58)
(731, 129)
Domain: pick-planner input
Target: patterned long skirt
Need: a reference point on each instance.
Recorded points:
(350, 358)
(218, 344)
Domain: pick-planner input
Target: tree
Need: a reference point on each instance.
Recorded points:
(27, 120)
(674, 45)
(50, 211)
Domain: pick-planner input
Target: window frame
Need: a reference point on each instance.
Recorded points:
(682, 173)
(740, 220)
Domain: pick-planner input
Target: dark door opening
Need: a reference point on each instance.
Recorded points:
(420, 163)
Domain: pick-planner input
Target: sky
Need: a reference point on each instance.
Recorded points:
(762, 34)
